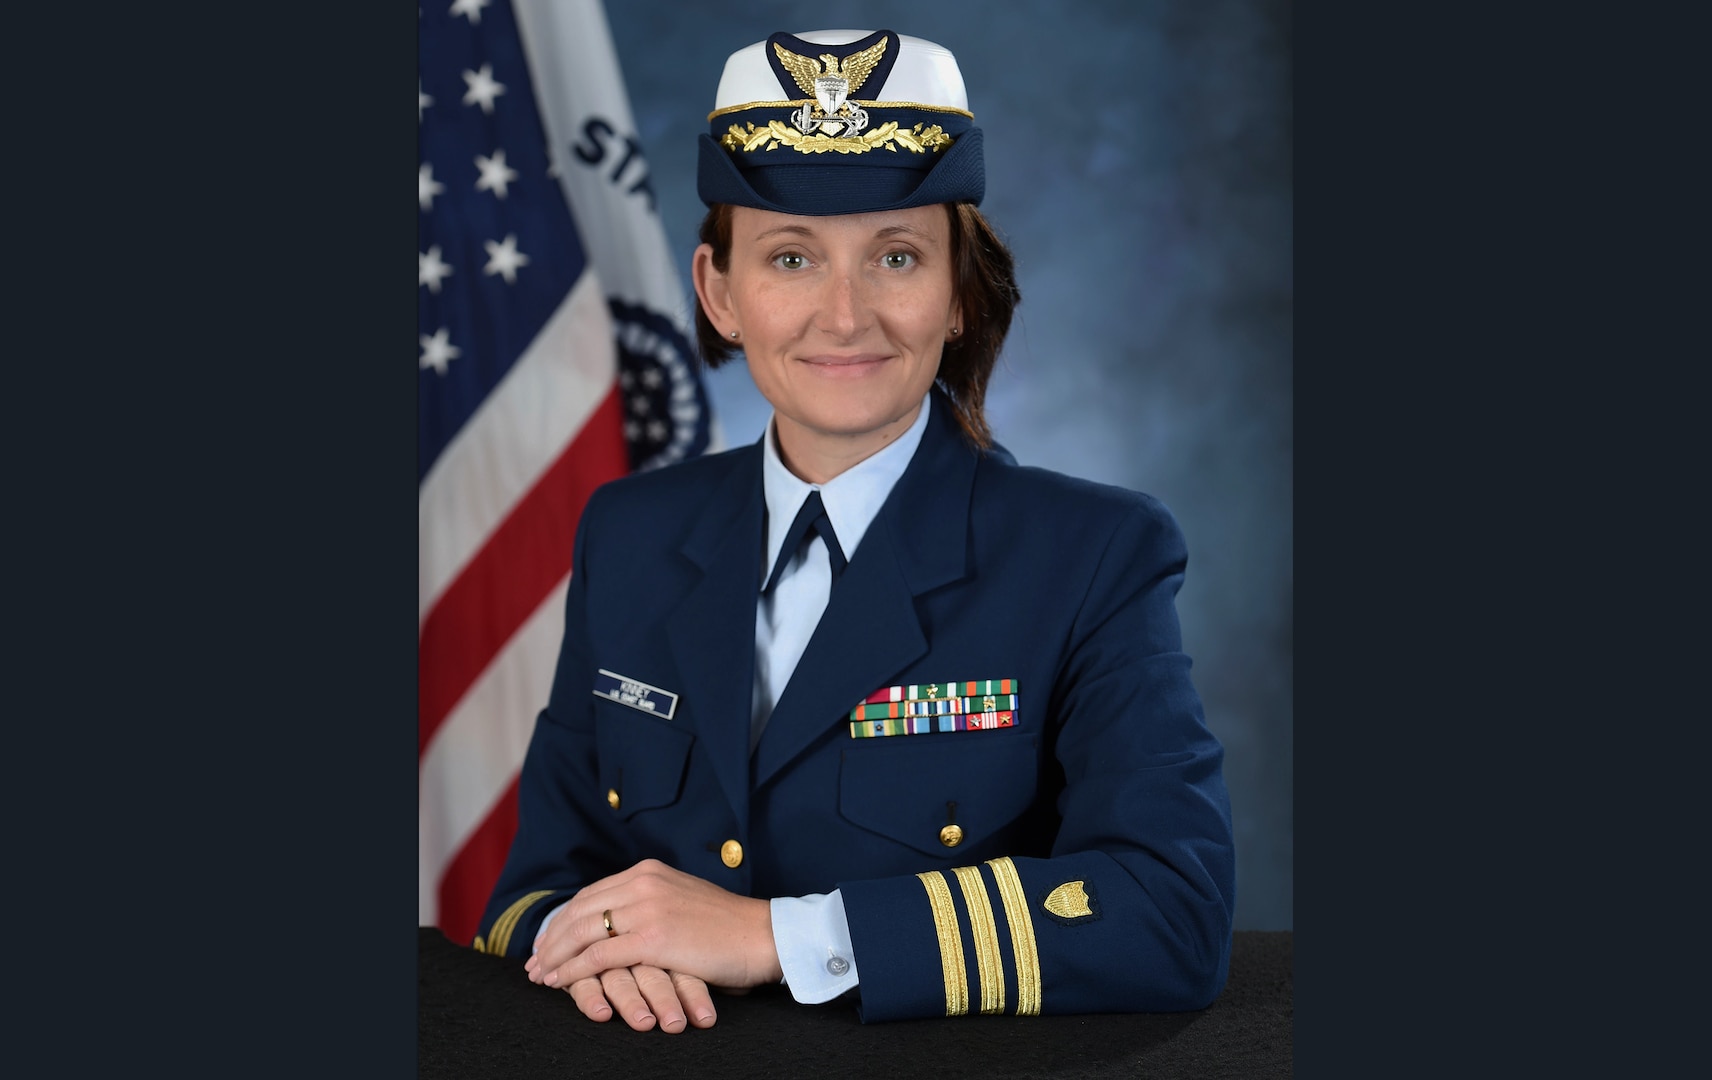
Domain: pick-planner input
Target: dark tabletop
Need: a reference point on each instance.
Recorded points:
(478, 1016)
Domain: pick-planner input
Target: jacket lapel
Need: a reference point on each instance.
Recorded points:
(870, 631)
(712, 633)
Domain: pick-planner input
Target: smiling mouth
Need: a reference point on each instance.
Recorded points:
(863, 360)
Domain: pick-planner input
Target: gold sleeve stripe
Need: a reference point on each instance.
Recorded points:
(500, 932)
(950, 942)
(986, 933)
(1022, 936)
(499, 937)
(729, 109)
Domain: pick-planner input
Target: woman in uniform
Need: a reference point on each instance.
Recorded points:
(866, 708)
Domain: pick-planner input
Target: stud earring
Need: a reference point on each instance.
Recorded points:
(733, 335)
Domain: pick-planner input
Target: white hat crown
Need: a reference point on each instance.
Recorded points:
(924, 72)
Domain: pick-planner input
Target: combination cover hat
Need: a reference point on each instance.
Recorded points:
(840, 122)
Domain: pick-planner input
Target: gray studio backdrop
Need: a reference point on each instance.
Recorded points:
(1138, 163)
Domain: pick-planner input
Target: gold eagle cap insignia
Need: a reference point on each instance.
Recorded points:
(1068, 901)
(854, 70)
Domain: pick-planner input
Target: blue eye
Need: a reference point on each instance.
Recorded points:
(897, 260)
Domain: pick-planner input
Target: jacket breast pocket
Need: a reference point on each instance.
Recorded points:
(642, 759)
(910, 791)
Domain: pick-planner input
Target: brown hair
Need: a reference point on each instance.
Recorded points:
(983, 278)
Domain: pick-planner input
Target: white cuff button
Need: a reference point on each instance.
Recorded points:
(837, 965)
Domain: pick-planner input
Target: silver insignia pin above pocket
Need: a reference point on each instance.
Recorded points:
(637, 694)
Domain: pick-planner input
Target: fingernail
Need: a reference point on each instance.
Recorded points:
(674, 1023)
(704, 1017)
(553, 978)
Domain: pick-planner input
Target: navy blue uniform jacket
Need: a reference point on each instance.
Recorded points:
(1095, 870)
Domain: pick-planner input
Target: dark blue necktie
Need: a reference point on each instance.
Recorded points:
(810, 519)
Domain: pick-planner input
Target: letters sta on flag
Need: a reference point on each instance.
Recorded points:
(553, 356)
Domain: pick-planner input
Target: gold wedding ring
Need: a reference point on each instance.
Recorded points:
(606, 921)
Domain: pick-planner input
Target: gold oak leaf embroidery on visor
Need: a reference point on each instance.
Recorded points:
(888, 136)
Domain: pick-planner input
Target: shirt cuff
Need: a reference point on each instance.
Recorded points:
(812, 937)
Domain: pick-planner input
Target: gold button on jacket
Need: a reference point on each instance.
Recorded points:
(951, 835)
(612, 797)
(731, 854)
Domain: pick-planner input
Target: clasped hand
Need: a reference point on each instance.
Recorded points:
(674, 935)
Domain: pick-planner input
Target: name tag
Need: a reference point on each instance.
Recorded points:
(635, 693)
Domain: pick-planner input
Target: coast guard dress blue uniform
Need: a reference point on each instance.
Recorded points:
(990, 746)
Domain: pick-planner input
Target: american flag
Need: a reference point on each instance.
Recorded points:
(554, 356)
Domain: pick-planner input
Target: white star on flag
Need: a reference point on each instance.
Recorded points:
(495, 173)
(437, 351)
(471, 8)
(651, 378)
(483, 88)
(504, 259)
(422, 101)
(427, 187)
(430, 269)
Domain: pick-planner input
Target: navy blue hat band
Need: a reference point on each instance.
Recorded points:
(821, 188)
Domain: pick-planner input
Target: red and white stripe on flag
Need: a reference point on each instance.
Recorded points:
(535, 268)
